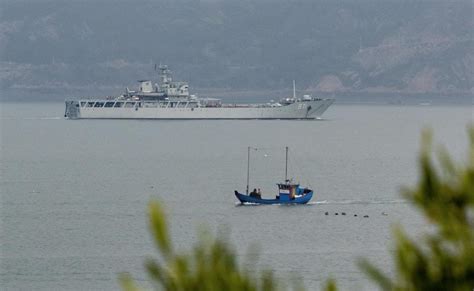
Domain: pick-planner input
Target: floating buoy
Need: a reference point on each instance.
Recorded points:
(343, 213)
(336, 213)
(355, 215)
(366, 216)
(384, 214)
(326, 213)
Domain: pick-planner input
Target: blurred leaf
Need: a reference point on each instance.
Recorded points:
(375, 274)
(159, 227)
(127, 282)
(444, 258)
(212, 264)
(330, 285)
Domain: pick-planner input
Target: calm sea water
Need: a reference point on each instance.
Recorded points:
(74, 193)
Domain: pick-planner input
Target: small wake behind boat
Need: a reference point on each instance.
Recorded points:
(289, 193)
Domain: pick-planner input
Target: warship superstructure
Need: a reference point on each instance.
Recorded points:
(169, 99)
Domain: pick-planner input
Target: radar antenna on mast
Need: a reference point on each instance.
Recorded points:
(165, 74)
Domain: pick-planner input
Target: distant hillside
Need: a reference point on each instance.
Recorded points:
(402, 47)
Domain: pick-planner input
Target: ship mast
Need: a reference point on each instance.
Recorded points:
(294, 90)
(164, 74)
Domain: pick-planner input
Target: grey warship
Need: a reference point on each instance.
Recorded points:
(170, 99)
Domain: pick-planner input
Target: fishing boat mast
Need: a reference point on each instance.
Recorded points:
(286, 165)
(248, 169)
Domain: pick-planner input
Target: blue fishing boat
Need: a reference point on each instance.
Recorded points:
(288, 192)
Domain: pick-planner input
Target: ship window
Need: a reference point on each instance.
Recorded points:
(90, 104)
(130, 104)
(284, 187)
(181, 104)
(109, 104)
(99, 104)
(118, 104)
(83, 104)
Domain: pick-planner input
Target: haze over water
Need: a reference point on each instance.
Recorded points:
(74, 192)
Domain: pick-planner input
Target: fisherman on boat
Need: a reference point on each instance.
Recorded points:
(253, 193)
(256, 194)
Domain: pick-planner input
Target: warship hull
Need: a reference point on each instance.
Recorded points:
(312, 109)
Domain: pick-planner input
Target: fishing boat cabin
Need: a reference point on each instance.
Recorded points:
(287, 191)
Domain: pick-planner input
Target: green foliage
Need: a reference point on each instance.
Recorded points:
(330, 285)
(212, 265)
(444, 259)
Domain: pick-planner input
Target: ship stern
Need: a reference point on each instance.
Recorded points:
(72, 110)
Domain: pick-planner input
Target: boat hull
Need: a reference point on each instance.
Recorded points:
(299, 110)
(303, 199)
